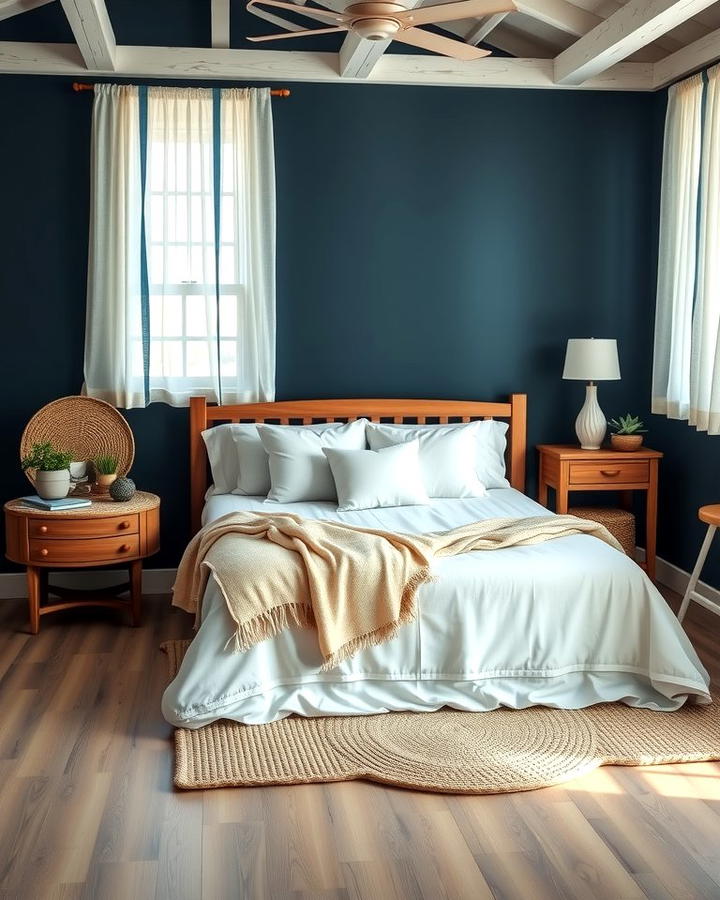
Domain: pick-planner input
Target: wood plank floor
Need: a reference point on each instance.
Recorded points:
(87, 809)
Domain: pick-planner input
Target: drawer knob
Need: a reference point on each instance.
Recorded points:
(124, 548)
(44, 551)
(610, 473)
(124, 525)
(43, 529)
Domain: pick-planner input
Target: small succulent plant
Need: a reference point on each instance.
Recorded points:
(627, 425)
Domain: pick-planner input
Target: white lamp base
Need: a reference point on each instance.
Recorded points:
(590, 425)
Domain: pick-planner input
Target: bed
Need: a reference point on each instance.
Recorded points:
(568, 623)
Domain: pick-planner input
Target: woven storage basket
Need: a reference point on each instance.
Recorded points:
(84, 425)
(619, 522)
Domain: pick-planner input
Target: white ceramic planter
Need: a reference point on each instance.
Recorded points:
(53, 485)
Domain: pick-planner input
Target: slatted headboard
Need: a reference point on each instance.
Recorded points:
(304, 412)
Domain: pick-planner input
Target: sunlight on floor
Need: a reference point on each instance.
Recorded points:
(700, 781)
(601, 781)
(697, 781)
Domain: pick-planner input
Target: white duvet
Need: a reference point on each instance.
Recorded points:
(567, 623)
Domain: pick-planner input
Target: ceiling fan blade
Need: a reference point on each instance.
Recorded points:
(292, 34)
(449, 12)
(316, 11)
(416, 37)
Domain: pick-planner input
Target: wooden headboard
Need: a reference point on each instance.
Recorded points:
(305, 412)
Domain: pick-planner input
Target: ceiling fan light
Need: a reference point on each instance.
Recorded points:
(376, 29)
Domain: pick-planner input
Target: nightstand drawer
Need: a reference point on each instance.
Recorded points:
(84, 551)
(106, 526)
(610, 472)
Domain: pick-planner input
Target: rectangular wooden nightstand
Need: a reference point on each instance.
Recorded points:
(567, 468)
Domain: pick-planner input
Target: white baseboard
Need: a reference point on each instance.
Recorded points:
(155, 581)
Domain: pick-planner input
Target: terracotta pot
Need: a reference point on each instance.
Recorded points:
(105, 480)
(626, 442)
(52, 485)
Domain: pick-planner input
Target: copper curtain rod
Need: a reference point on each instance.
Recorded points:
(80, 86)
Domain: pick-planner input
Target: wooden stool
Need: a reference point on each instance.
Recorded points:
(711, 515)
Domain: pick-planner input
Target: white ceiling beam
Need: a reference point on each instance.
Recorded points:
(560, 14)
(220, 23)
(189, 63)
(477, 34)
(700, 53)
(633, 26)
(495, 71)
(10, 8)
(358, 56)
(93, 32)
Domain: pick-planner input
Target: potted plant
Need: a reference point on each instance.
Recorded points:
(52, 470)
(105, 469)
(627, 432)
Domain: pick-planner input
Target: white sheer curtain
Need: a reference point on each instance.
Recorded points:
(686, 370)
(203, 284)
(113, 320)
(705, 357)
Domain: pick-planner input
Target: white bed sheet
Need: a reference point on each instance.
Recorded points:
(567, 623)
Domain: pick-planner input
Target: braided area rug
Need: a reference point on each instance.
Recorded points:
(447, 751)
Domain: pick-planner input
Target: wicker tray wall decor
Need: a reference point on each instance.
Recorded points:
(83, 425)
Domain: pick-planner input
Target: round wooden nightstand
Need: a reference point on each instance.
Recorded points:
(103, 534)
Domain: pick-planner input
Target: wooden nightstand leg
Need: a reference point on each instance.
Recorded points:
(563, 490)
(136, 591)
(34, 585)
(651, 520)
(542, 493)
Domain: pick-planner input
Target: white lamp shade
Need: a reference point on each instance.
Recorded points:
(591, 359)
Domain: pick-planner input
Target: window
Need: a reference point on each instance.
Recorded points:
(187, 344)
(201, 310)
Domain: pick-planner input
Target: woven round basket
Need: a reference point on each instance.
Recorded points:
(619, 522)
(85, 426)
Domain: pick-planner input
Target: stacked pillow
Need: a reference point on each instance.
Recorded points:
(299, 469)
(404, 465)
(368, 479)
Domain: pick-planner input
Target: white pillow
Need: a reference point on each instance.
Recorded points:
(254, 469)
(489, 437)
(223, 455)
(298, 468)
(447, 458)
(368, 479)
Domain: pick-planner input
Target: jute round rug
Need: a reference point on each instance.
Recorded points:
(453, 752)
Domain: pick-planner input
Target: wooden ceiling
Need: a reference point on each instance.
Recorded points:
(641, 45)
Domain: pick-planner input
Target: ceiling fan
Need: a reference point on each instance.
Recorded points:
(381, 20)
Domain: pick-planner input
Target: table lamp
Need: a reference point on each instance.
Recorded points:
(591, 360)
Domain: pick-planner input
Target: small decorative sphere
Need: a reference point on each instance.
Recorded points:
(122, 489)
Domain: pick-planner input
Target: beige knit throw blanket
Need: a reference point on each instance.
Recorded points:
(355, 586)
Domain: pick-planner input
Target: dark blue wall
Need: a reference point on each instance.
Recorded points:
(431, 242)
